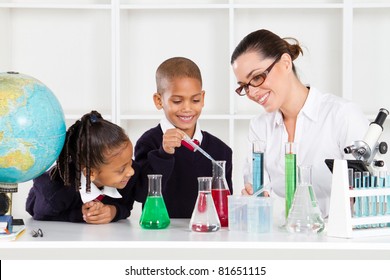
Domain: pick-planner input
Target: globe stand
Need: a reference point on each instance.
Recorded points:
(6, 191)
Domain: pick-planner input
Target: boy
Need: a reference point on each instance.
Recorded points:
(160, 150)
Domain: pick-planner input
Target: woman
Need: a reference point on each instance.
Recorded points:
(322, 124)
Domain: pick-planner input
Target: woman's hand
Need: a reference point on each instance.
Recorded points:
(248, 190)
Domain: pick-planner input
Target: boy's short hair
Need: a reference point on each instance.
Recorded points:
(176, 67)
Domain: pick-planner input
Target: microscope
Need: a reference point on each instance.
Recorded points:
(367, 152)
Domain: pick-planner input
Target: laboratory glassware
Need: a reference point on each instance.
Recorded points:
(154, 213)
(204, 216)
(290, 161)
(305, 214)
(258, 148)
(220, 192)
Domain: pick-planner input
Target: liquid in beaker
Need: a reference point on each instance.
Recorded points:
(258, 149)
(220, 192)
(305, 214)
(290, 161)
(204, 216)
(154, 214)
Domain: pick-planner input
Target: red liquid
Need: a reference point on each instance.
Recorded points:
(220, 198)
(204, 228)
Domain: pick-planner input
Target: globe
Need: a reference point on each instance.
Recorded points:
(32, 128)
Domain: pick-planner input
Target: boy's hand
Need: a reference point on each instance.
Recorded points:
(95, 212)
(172, 139)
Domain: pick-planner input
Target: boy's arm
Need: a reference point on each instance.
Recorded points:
(152, 159)
(229, 170)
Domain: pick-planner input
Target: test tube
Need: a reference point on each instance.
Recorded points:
(258, 148)
(382, 183)
(387, 206)
(358, 201)
(350, 180)
(290, 173)
(373, 199)
(365, 199)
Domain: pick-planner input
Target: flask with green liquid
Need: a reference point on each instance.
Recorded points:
(154, 214)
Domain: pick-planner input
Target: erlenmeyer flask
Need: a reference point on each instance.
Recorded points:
(220, 192)
(305, 214)
(154, 214)
(204, 217)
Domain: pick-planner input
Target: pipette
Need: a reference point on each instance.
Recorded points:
(199, 149)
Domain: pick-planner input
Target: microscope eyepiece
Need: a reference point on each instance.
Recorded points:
(381, 117)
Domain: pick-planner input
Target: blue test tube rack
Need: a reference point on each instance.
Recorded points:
(341, 222)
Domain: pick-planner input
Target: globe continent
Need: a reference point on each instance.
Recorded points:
(32, 128)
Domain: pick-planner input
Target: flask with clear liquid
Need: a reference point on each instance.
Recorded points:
(204, 216)
(305, 214)
(220, 192)
(154, 214)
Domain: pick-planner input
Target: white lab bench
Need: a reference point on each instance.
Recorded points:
(127, 240)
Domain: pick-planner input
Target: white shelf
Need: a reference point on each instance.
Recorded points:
(102, 55)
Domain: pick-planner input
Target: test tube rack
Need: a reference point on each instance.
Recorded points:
(340, 220)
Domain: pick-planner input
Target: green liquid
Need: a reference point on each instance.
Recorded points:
(291, 179)
(155, 214)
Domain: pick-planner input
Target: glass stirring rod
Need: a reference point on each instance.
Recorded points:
(199, 149)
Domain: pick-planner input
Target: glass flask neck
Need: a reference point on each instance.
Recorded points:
(304, 175)
(154, 184)
(204, 184)
(219, 180)
(219, 168)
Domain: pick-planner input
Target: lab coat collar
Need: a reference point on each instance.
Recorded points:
(95, 191)
(310, 109)
(166, 124)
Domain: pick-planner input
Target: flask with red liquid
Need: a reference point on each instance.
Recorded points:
(220, 191)
(204, 217)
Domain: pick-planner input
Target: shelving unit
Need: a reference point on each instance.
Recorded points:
(103, 54)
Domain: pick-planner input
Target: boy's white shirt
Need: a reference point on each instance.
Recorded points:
(95, 191)
(166, 124)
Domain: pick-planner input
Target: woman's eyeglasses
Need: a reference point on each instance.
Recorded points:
(256, 81)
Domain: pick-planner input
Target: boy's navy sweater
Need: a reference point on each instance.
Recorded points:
(50, 200)
(180, 170)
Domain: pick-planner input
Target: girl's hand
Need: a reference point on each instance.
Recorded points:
(95, 212)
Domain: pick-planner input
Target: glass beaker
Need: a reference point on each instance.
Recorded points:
(220, 192)
(154, 214)
(305, 214)
(204, 217)
(258, 149)
(290, 161)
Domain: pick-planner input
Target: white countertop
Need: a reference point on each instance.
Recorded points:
(126, 239)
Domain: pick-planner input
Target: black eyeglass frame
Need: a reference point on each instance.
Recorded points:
(264, 75)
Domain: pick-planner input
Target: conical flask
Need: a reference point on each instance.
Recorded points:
(305, 214)
(204, 217)
(154, 214)
(220, 192)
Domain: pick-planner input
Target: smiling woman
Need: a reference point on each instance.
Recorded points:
(322, 124)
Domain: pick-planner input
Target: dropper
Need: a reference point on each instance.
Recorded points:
(199, 149)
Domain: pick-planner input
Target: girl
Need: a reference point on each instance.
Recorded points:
(94, 179)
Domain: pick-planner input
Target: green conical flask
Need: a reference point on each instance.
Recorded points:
(154, 214)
